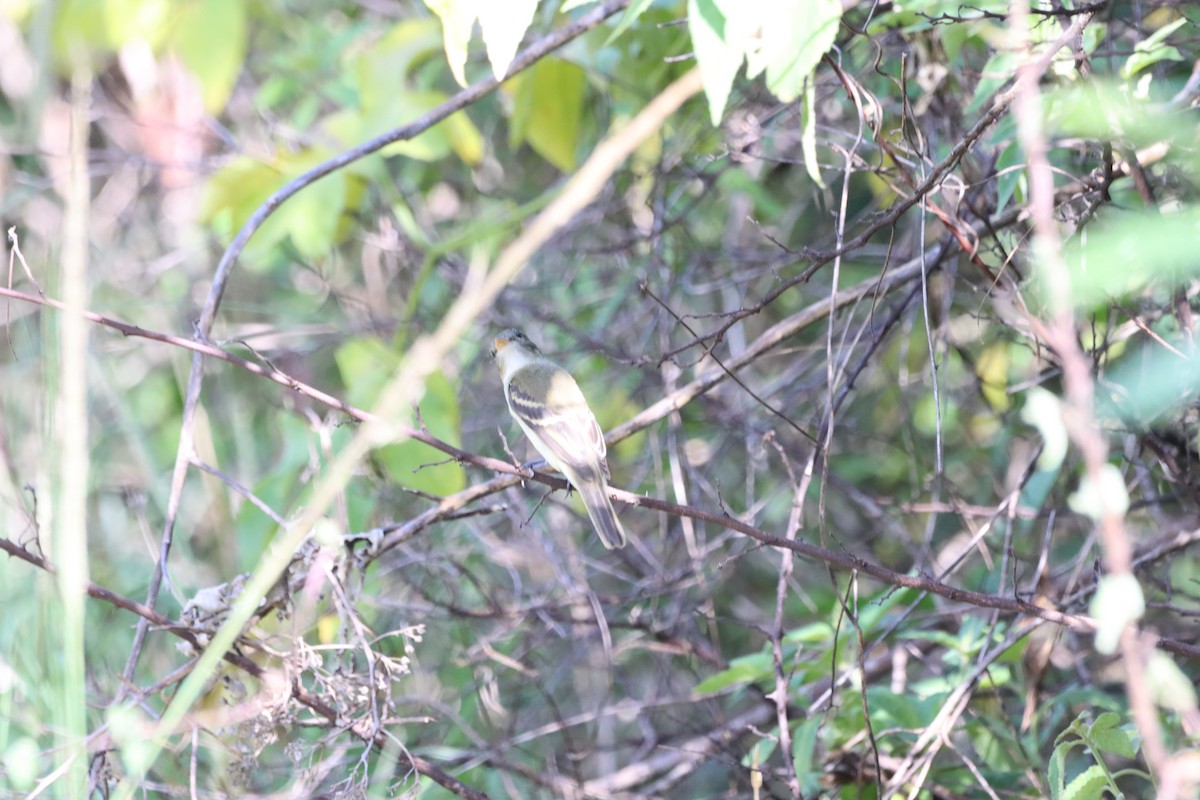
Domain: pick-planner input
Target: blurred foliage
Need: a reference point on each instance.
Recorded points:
(501, 643)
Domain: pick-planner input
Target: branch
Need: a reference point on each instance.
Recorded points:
(298, 692)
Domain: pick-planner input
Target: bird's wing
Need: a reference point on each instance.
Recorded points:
(566, 429)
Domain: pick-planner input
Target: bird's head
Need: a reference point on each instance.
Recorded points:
(513, 337)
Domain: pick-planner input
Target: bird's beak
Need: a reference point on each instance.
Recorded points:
(498, 345)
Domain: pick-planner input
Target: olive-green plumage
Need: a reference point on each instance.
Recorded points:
(549, 406)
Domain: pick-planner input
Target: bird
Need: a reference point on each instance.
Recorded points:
(549, 406)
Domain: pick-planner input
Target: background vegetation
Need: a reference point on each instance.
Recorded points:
(887, 311)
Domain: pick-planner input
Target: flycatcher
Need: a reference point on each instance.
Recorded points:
(548, 405)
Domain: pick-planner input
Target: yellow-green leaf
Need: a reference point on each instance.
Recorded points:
(992, 371)
(415, 465)
(232, 195)
(719, 58)
(464, 137)
(209, 36)
(458, 19)
(364, 365)
(808, 137)
(794, 38)
(379, 70)
(313, 215)
(1118, 602)
(546, 111)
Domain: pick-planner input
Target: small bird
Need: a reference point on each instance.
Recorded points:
(547, 403)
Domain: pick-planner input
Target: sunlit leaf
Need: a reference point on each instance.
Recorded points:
(718, 59)
(82, 30)
(795, 35)
(209, 36)
(1044, 411)
(811, 633)
(808, 138)
(1118, 602)
(1172, 689)
(504, 25)
(1105, 494)
(458, 20)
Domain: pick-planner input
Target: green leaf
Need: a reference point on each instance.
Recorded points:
(718, 58)
(465, 139)
(313, 215)
(999, 70)
(1152, 49)
(795, 35)
(1070, 739)
(1043, 410)
(418, 466)
(396, 106)
(812, 633)
(872, 614)
(1173, 690)
(1149, 385)
(1118, 601)
(380, 69)
(92, 29)
(235, 191)
(1104, 494)
(760, 751)
(632, 12)
(364, 365)
(1010, 174)
(1087, 785)
(504, 25)
(742, 670)
(808, 138)
(1107, 737)
(547, 109)
(804, 754)
(22, 754)
(1119, 259)
(210, 38)
(889, 709)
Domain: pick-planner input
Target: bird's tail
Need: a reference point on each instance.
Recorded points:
(600, 510)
